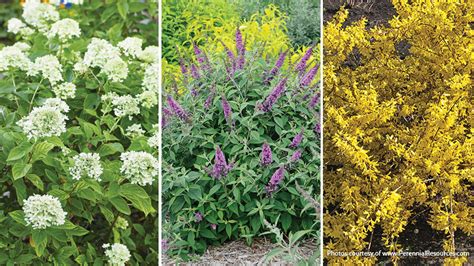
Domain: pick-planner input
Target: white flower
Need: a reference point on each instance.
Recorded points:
(15, 25)
(45, 121)
(43, 211)
(65, 90)
(150, 78)
(153, 141)
(150, 54)
(139, 167)
(117, 254)
(134, 131)
(57, 104)
(14, 57)
(22, 46)
(99, 52)
(65, 29)
(131, 46)
(148, 98)
(49, 67)
(86, 165)
(123, 105)
(116, 69)
(80, 67)
(40, 15)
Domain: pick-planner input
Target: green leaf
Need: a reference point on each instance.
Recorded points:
(19, 170)
(40, 240)
(285, 221)
(228, 230)
(20, 189)
(36, 181)
(122, 6)
(110, 148)
(195, 193)
(18, 216)
(296, 236)
(121, 205)
(40, 150)
(138, 197)
(207, 233)
(19, 151)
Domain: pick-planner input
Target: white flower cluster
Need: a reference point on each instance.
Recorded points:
(43, 211)
(40, 15)
(24, 47)
(150, 54)
(46, 120)
(14, 57)
(150, 78)
(153, 141)
(131, 46)
(134, 131)
(65, 90)
(49, 67)
(86, 165)
(65, 29)
(100, 53)
(139, 167)
(16, 26)
(123, 105)
(117, 254)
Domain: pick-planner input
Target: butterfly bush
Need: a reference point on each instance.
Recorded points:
(237, 144)
(79, 138)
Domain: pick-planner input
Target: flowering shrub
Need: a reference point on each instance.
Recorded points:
(236, 146)
(78, 145)
(398, 128)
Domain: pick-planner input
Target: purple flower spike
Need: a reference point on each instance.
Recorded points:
(317, 128)
(182, 66)
(308, 78)
(164, 118)
(177, 109)
(213, 226)
(301, 66)
(195, 72)
(296, 156)
(314, 100)
(277, 177)
(220, 168)
(199, 54)
(297, 140)
(271, 99)
(227, 109)
(266, 156)
(276, 68)
(198, 216)
(240, 45)
(208, 102)
(164, 245)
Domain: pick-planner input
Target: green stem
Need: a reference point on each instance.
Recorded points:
(34, 94)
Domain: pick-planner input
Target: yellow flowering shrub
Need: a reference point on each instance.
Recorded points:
(398, 127)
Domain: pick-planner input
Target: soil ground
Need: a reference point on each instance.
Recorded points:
(238, 253)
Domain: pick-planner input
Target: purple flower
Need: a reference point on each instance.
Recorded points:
(296, 156)
(213, 226)
(314, 100)
(308, 77)
(277, 177)
(231, 58)
(208, 102)
(301, 66)
(194, 92)
(195, 72)
(227, 109)
(198, 53)
(240, 45)
(220, 168)
(266, 156)
(276, 68)
(297, 139)
(198, 216)
(176, 109)
(271, 99)
(317, 128)
(182, 66)
(164, 118)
